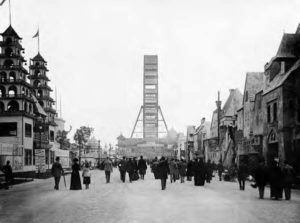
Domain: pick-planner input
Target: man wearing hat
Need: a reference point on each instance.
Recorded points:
(56, 172)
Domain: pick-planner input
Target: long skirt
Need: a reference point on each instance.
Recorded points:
(199, 179)
(75, 181)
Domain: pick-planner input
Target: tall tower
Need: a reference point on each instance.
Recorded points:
(150, 113)
(16, 103)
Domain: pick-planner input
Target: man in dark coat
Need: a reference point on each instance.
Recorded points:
(182, 169)
(242, 175)
(142, 167)
(122, 168)
(261, 177)
(155, 163)
(220, 169)
(276, 180)
(189, 171)
(209, 168)
(130, 169)
(199, 172)
(162, 171)
(288, 179)
(7, 170)
(56, 172)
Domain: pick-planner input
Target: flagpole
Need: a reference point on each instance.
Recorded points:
(9, 12)
(39, 40)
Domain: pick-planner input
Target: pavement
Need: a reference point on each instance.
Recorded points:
(143, 201)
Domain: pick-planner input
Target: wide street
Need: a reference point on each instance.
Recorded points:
(142, 201)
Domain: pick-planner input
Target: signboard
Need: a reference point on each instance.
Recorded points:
(40, 162)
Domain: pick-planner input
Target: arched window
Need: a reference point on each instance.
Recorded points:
(2, 91)
(12, 91)
(12, 77)
(13, 106)
(40, 93)
(25, 106)
(26, 92)
(37, 63)
(30, 108)
(2, 77)
(1, 106)
(8, 51)
(8, 63)
(23, 91)
(37, 72)
(41, 103)
(36, 83)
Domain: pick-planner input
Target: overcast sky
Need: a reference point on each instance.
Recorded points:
(95, 49)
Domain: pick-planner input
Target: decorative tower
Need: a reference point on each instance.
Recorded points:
(45, 128)
(16, 103)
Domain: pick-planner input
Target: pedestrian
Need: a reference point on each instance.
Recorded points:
(86, 174)
(122, 168)
(7, 170)
(182, 165)
(135, 169)
(209, 169)
(276, 180)
(142, 167)
(288, 179)
(108, 168)
(75, 176)
(261, 177)
(130, 169)
(162, 172)
(155, 163)
(242, 175)
(172, 168)
(57, 171)
(199, 172)
(220, 169)
(189, 172)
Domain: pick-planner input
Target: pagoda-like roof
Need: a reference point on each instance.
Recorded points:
(39, 57)
(11, 32)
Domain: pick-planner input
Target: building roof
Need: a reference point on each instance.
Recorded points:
(254, 83)
(280, 78)
(289, 45)
(39, 57)
(233, 102)
(39, 108)
(11, 32)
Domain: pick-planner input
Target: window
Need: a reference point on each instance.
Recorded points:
(246, 96)
(28, 157)
(269, 113)
(150, 87)
(28, 130)
(51, 157)
(47, 157)
(52, 136)
(274, 112)
(8, 129)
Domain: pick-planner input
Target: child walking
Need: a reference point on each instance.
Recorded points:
(86, 174)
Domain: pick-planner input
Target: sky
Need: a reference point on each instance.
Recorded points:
(95, 49)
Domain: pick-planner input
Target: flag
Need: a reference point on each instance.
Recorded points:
(2, 2)
(36, 35)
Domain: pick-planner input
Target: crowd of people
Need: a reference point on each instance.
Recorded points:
(280, 178)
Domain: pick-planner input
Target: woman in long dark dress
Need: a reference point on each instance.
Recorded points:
(75, 177)
(199, 172)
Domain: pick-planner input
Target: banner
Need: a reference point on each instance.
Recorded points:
(40, 161)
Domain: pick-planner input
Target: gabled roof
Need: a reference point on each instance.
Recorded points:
(289, 45)
(281, 78)
(38, 57)
(11, 32)
(233, 102)
(254, 83)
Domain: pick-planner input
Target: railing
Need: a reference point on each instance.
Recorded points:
(17, 81)
(15, 96)
(13, 67)
(43, 76)
(47, 109)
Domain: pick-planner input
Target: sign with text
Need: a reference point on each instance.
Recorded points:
(40, 162)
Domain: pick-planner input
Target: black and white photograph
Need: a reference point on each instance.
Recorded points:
(149, 111)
